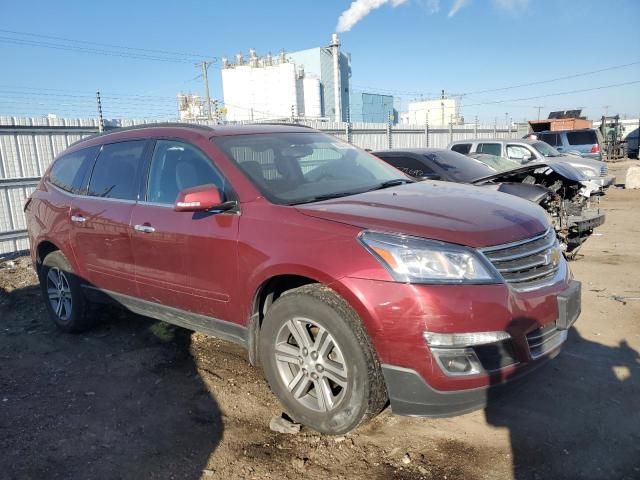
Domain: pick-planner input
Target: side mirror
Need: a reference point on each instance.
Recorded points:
(199, 199)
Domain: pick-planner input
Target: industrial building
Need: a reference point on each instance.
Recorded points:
(372, 108)
(191, 107)
(438, 112)
(311, 83)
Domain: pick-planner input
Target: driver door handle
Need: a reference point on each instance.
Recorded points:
(144, 228)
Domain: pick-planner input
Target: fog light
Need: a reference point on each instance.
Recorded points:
(458, 340)
(456, 361)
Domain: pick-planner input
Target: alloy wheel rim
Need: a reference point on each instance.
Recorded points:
(311, 364)
(59, 293)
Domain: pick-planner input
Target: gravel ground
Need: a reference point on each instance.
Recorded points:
(135, 398)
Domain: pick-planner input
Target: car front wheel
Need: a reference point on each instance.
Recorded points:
(319, 362)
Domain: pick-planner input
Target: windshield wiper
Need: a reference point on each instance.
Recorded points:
(329, 196)
(319, 198)
(391, 183)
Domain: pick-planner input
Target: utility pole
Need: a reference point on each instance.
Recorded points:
(442, 123)
(606, 110)
(100, 119)
(539, 109)
(205, 75)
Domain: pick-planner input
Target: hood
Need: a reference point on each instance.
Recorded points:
(532, 192)
(563, 169)
(575, 161)
(443, 211)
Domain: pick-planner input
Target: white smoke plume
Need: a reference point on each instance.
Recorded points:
(360, 9)
(457, 5)
(513, 6)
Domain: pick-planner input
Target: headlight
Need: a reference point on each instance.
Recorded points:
(416, 260)
(588, 172)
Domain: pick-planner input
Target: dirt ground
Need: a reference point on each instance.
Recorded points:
(136, 398)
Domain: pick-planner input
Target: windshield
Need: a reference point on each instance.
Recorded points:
(460, 167)
(290, 168)
(499, 164)
(546, 150)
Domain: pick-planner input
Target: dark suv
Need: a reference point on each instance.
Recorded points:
(348, 282)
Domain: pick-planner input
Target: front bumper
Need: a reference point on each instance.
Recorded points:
(586, 222)
(607, 181)
(397, 315)
(410, 395)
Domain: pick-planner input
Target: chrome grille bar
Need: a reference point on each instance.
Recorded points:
(527, 263)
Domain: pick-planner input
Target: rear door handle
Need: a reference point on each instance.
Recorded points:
(78, 219)
(144, 228)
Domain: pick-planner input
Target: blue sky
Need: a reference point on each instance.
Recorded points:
(418, 46)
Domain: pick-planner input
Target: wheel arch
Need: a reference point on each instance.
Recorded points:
(44, 248)
(268, 292)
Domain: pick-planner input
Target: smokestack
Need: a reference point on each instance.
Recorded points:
(335, 52)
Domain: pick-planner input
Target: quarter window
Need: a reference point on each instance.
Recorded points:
(462, 148)
(176, 166)
(68, 172)
(490, 148)
(585, 137)
(116, 171)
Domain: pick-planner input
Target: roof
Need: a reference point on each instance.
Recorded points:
(495, 140)
(257, 128)
(419, 151)
(205, 130)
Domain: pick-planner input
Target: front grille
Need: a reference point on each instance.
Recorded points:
(545, 339)
(527, 264)
(604, 169)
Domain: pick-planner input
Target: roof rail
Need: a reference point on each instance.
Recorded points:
(141, 126)
(285, 124)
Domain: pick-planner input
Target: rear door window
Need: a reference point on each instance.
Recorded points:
(69, 171)
(115, 174)
(585, 137)
(411, 166)
(490, 148)
(176, 166)
(552, 139)
(462, 148)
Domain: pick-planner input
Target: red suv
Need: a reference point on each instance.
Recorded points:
(349, 284)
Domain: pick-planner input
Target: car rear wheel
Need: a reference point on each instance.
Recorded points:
(319, 362)
(64, 300)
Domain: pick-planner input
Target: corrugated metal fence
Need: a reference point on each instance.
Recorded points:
(28, 145)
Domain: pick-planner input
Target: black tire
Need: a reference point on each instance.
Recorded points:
(362, 395)
(74, 314)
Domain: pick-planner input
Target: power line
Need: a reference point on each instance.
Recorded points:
(511, 87)
(557, 79)
(569, 92)
(72, 48)
(108, 45)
